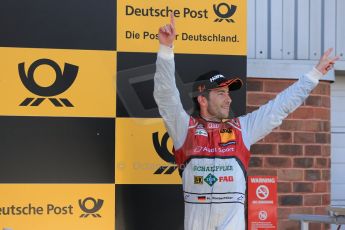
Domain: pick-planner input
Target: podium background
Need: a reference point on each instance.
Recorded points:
(111, 145)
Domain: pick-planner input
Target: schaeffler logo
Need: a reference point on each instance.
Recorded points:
(90, 210)
(163, 152)
(62, 82)
(224, 12)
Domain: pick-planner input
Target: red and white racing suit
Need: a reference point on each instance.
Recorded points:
(213, 157)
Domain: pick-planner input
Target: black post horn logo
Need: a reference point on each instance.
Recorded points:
(97, 205)
(62, 82)
(230, 10)
(163, 152)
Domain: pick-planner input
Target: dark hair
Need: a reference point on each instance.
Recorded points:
(196, 106)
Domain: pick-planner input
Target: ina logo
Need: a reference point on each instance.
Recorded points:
(96, 206)
(210, 179)
(224, 12)
(62, 82)
(161, 148)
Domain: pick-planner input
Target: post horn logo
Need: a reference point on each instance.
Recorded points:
(97, 205)
(63, 81)
(230, 10)
(163, 152)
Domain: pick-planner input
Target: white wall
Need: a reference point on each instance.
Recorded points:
(293, 31)
(338, 142)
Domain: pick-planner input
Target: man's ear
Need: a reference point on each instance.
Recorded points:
(202, 100)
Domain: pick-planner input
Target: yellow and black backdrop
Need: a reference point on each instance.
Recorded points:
(82, 145)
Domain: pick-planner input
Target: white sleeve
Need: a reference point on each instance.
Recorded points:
(167, 97)
(262, 121)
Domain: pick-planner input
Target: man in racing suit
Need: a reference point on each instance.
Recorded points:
(212, 151)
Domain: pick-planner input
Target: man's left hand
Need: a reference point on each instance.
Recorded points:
(326, 63)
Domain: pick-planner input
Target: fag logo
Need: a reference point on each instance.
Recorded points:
(224, 15)
(163, 152)
(226, 179)
(96, 206)
(63, 81)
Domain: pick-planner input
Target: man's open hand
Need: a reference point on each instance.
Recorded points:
(326, 63)
(167, 33)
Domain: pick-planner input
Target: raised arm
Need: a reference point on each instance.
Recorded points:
(261, 122)
(165, 92)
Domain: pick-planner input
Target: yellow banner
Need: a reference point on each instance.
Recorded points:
(144, 153)
(203, 27)
(57, 206)
(51, 82)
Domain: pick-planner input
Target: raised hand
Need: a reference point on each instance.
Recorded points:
(326, 63)
(167, 33)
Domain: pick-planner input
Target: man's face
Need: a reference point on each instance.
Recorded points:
(219, 103)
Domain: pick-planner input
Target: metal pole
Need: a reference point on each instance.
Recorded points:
(304, 225)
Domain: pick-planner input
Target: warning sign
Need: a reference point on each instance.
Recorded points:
(262, 202)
